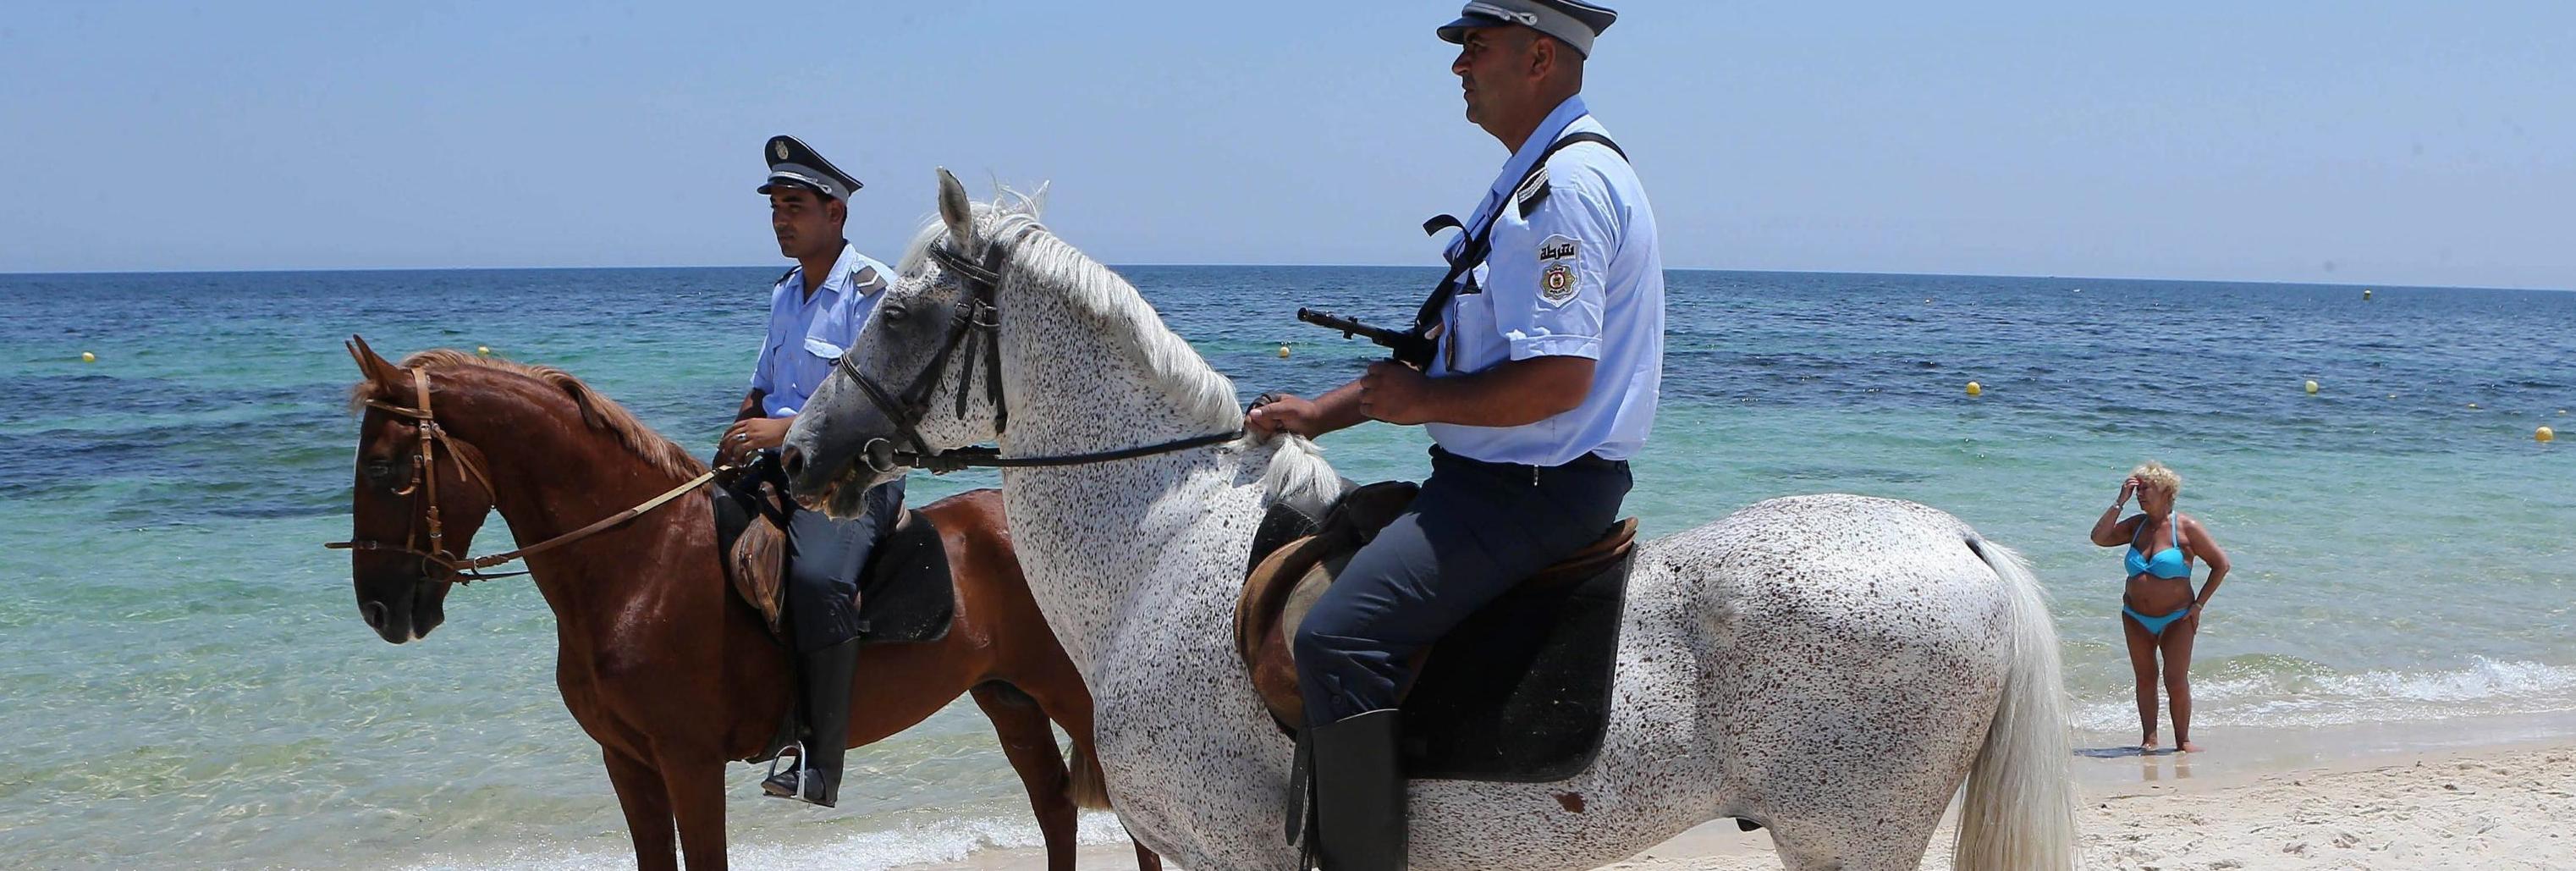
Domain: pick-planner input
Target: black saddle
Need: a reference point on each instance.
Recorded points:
(1520, 692)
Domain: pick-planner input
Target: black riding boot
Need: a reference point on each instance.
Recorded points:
(816, 778)
(1359, 793)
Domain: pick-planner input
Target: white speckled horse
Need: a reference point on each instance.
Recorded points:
(1834, 667)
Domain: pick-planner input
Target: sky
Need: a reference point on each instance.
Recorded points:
(2341, 142)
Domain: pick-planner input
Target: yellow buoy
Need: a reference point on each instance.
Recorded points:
(2473, 406)
(2545, 435)
(2365, 294)
(2312, 388)
(87, 357)
(1283, 352)
(1976, 389)
(485, 350)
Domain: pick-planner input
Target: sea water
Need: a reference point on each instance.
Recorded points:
(184, 678)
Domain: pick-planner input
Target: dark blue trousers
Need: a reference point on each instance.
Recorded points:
(823, 579)
(1476, 530)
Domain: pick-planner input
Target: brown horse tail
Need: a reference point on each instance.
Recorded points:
(1089, 786)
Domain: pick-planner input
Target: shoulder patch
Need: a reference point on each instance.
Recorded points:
(1559, 247)
(1532, 192)
(865, 280)
(1556, 283)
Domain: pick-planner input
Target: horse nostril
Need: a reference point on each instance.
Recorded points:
(374, 612)
(792, 461)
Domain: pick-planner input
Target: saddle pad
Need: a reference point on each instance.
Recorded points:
(1520, 692)
(905, 592)
(907, 595)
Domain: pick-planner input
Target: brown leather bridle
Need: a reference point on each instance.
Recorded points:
(453, 568)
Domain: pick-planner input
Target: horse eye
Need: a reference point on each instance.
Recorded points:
(894, 312)
(378, 470)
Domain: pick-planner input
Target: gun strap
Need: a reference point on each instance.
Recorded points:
(1480, 244)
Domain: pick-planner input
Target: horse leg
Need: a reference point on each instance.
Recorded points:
(1028, 740)
(648, 810)
(1072, 711)
(697, 802)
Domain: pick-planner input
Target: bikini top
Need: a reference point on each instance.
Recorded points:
(2166, 563)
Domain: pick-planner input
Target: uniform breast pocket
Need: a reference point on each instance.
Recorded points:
(826, 350)
(1472, 343)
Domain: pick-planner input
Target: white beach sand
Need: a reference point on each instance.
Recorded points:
(2491, 808)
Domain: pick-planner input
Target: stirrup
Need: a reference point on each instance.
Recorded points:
(794, 788)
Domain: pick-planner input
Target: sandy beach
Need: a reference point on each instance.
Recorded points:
(2490, 808)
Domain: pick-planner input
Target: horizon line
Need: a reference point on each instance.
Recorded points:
(309, 270)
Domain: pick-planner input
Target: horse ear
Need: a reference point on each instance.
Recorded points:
(954, 210)
(385, 374)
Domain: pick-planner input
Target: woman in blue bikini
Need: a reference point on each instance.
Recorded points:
(2160, 612)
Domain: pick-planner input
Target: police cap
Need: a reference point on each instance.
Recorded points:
(1573, 21)
(792, 162)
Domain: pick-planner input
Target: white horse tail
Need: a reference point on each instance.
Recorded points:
(2019, 813)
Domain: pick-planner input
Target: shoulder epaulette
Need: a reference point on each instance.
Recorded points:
(1532, 192)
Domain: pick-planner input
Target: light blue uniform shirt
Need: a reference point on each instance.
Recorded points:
(807, 332)
(1581, 275)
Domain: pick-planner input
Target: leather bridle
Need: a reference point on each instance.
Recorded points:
(977, 324)
(978, 321)
(423, 488)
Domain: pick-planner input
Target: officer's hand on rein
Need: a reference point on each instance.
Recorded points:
(746, 436)
(1395, 393)
(1280, 413)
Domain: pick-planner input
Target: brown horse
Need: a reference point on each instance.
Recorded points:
(658, 660)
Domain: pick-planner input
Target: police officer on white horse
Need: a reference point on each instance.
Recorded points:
(1537, 383)
(815, 311)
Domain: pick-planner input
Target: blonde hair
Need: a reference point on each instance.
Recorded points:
(2154, 474)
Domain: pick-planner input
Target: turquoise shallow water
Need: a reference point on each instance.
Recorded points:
(186, 678)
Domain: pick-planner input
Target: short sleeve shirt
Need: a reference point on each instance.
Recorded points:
(1575, 270)
(809, 331)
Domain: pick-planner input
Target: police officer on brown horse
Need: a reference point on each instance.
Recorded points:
(815, 311)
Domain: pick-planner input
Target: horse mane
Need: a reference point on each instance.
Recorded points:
(1297, 470)
(600, 412)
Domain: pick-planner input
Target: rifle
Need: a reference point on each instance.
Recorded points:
(1414, 347)
(1409, 347)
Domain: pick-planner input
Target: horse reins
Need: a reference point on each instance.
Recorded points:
(424, 483)
(978, 321)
